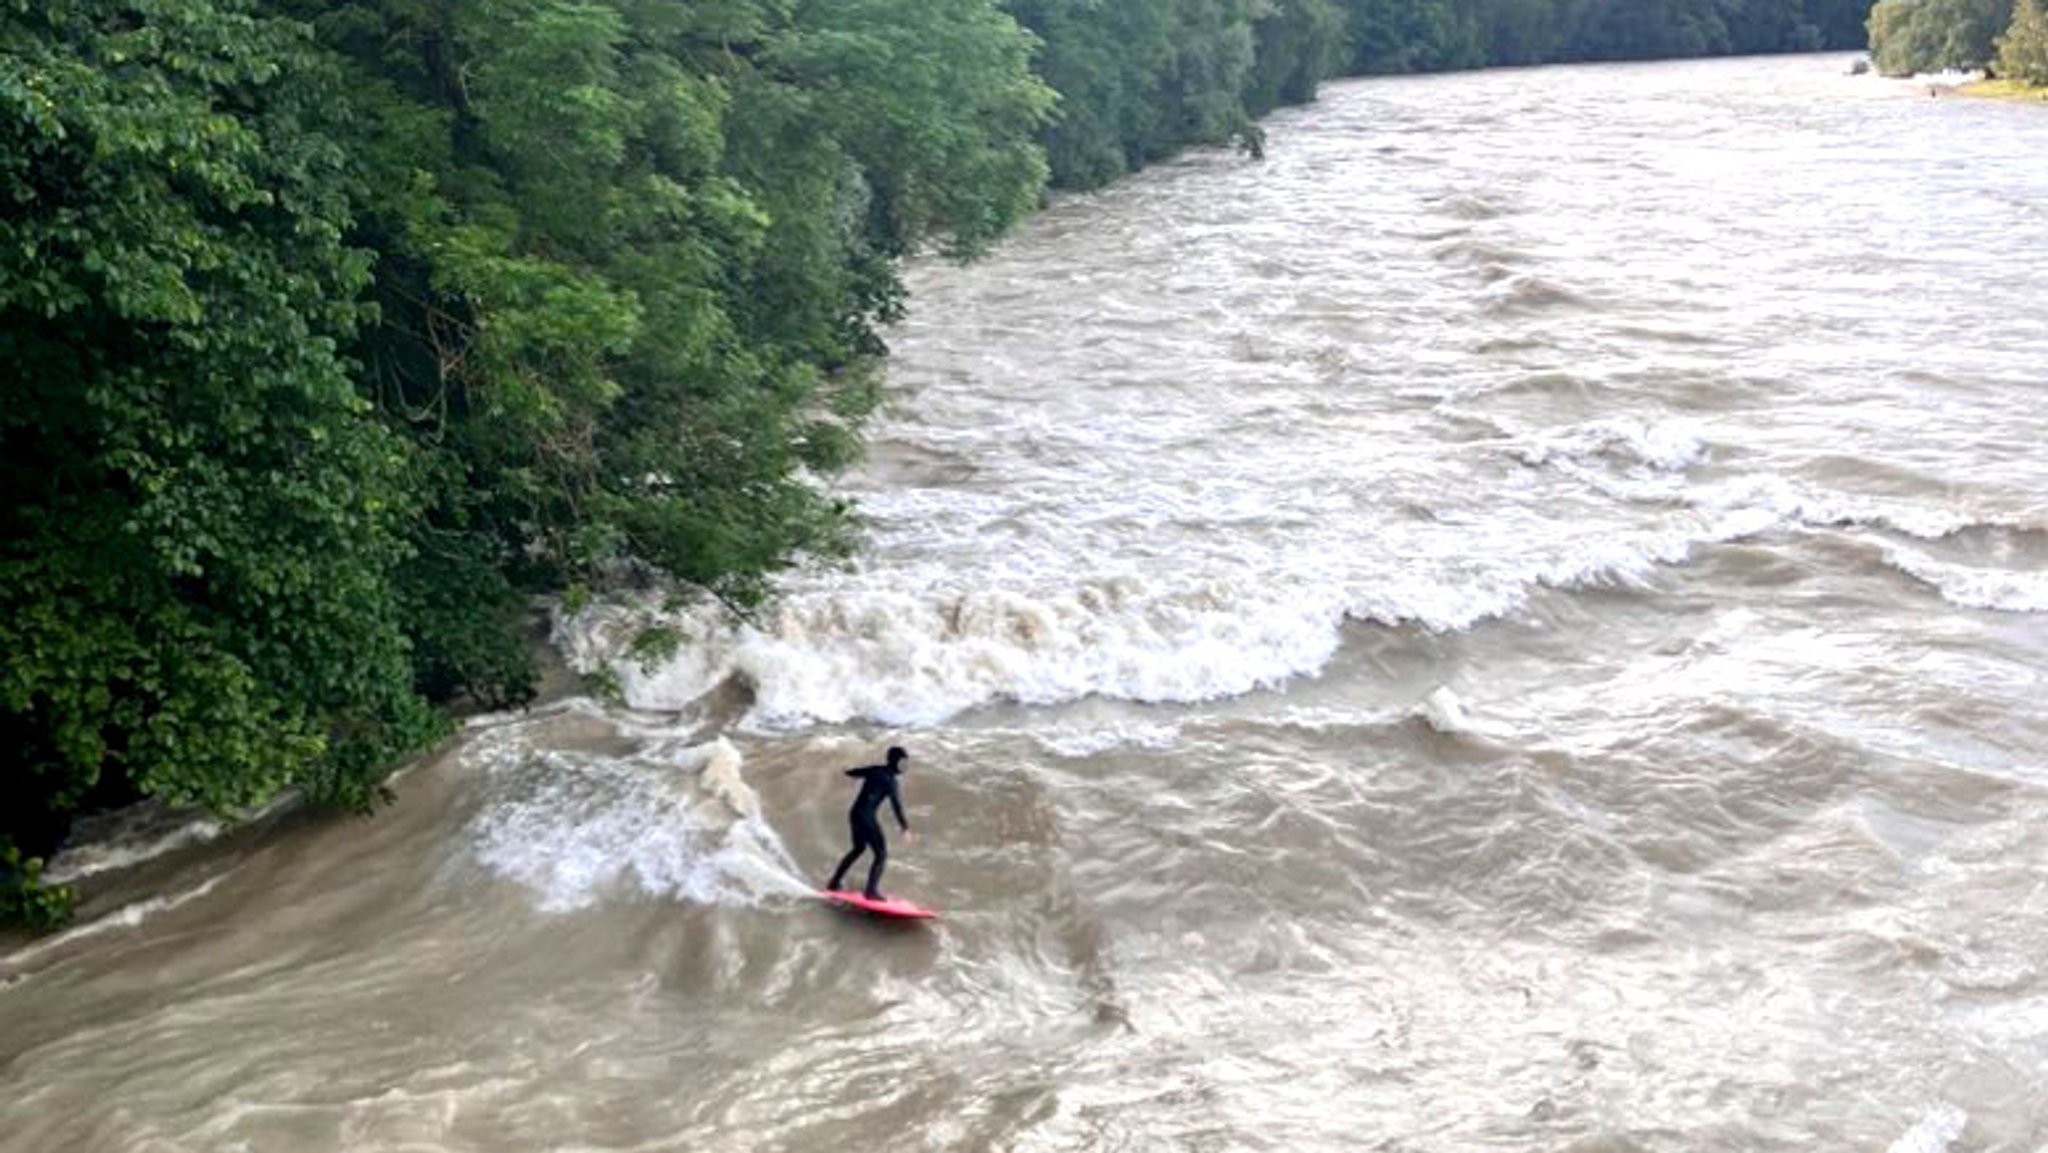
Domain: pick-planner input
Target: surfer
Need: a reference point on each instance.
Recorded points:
(877, 783)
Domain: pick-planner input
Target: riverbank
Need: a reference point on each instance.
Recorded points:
(119, 859)
(2005, 90)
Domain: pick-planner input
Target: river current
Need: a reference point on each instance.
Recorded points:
(1515, 623)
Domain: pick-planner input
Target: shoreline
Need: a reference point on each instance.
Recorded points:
(171, 839)
(2008, 90)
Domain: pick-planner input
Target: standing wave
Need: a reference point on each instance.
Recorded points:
(671, 820)
(917, 658)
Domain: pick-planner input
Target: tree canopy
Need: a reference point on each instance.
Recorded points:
(204, 515)
(1909, 36)
(2023, 50)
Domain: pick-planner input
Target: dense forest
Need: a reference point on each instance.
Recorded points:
(2000, 36)
(339, 331)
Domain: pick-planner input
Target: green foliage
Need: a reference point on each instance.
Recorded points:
(467, 621)
(1909, 36)
(24, 899)
(933, 104)
(2023, 50)
(1105, 61)
(1428, 35)
(202, 520)
(1395, 36)
(653, 647)
(604, 684)
(633, 254)
(1141, 79)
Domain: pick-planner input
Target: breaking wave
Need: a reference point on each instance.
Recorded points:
(674, 821)
(2002, 590)
(906, 659)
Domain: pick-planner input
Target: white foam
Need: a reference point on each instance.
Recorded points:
(1793, 502)
(82, 861)
(128, 916)
(918, 648)
(1163, 543)
(140, 833)
(1191, 534)
(1671, 445)
(1937, 1129)
(1971, 587)
(909, 660)
(1095, 741)
(1754, 504)
(1444, 712)
(1655, 452)
(676, 821)
(900, 659)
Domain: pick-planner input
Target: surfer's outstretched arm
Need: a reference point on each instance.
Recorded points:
(864, 772)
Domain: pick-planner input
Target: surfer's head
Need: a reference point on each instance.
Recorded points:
(897, 755)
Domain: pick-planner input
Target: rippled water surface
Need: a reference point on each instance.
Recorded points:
(1516, 623)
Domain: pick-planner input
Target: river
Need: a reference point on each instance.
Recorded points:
(1515, 623)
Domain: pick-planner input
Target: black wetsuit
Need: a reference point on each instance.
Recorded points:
(877, 783)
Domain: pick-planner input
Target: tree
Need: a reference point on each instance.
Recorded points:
(196, 556)
(1394, 36)
(1108, 63)
(1841, 23)
(1911, 36)
(2023, 50)
(1297, 44)
(633, 253)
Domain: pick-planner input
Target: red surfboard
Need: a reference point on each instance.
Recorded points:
(888, 908)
